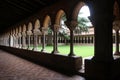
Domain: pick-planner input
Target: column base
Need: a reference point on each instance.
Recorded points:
(98, 70)
(117, 53)
(23, 47)
(55, 52)
(28, 48)
(71, 54)
(43, 50)
(34, 49)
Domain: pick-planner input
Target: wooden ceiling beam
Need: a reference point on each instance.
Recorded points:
(17, 6)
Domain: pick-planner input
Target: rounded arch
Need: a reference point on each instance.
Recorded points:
(37, 24)
(47, 21)
(76, 10)
(24, 28)
(116, 10)
(59, 15)
(20, 29)
(30, 27)
(13, 31)
(16, 30)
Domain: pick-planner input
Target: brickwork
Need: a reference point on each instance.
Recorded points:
(15, 68)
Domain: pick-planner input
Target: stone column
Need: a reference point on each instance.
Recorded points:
(71, 25)
(13, 40)
(36, 32)
(44, 32)
(23, 40)
(16, 40)
(29, 33)
(116, 26)
(19, 39)
(117, 43)
(55, 40)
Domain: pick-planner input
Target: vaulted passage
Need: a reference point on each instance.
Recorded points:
(59, 24)
(16, 68)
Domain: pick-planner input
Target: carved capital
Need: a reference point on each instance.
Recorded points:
(71, 24)
(44, 30)
(29, 32)
(116, 25)
(23, 34)
(19, 35)
(36, 32)
(56, 27)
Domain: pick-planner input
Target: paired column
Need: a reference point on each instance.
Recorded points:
(23, 40)
(16, 40)
(55, 40)
(44, 32)
(71, 25)
(19, 39)
(36, 32)
(116, 26)
(29, 33)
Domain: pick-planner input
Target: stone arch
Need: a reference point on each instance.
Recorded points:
(59, 15)
(37, 24)
(16, 30)
(13, 31)
(20, 29)
(30, 27)
(116, 10)
(47, 21)
(76, 10)
(24, 28)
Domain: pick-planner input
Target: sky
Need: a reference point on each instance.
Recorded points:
(84, 12)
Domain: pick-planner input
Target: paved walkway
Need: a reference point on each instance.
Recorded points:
(15, 68)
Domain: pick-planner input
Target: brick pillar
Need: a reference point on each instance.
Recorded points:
(100, 66)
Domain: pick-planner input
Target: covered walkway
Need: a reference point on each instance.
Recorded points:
(16, 68)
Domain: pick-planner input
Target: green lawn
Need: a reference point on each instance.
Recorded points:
(79, 50)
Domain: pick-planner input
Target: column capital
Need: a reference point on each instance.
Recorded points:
(19, 34)
(23, 34)
(116, 25)
(44, 30)
(71, 24)
(36, 32)
(56, 27)
(29, 32)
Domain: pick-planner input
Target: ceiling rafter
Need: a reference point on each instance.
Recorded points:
(18, 6)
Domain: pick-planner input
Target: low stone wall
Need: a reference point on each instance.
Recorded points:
(57, 61)
(102, 70)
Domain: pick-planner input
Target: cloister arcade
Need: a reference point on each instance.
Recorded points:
(31, 33)
(34, 31)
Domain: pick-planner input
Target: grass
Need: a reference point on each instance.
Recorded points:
(79, 50)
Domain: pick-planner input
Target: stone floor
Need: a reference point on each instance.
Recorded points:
(16, 68)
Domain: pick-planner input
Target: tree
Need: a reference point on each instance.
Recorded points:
(83, 24)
